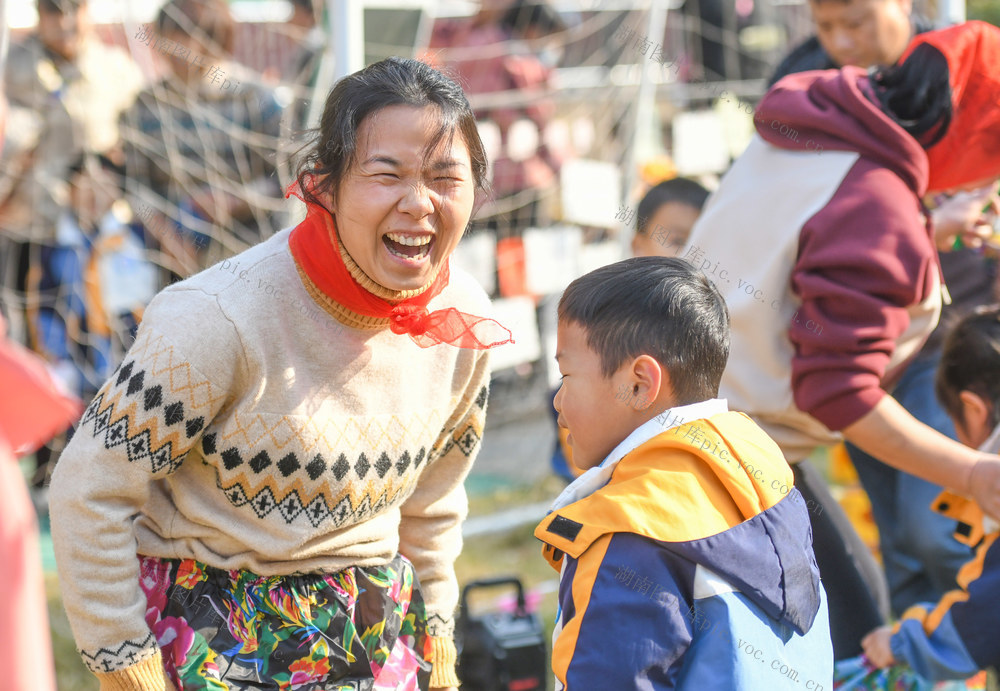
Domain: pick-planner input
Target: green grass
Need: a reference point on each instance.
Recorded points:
(487, 496)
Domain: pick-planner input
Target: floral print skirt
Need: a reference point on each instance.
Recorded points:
(359, 629)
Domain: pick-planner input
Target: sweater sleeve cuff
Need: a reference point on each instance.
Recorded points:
(145, 675)
(846, 409)
(443, 657)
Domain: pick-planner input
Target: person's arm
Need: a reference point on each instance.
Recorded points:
(137, 431)
(430, 531)
(864, 260)
(954, 639)
(888, 432)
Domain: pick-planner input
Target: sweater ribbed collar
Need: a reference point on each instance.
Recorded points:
(336, 282)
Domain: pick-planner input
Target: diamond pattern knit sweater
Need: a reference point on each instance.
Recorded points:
(249, 427)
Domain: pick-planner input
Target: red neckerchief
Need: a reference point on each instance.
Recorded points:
(315, 247)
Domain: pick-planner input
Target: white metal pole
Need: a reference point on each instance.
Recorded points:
(347, 30)
(344, 52)
(644, 108)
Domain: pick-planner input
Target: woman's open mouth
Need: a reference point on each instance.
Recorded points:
(408, 246)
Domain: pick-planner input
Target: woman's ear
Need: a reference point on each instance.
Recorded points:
(480, 199)
(325, 196)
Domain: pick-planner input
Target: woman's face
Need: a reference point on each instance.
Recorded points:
(401, 209)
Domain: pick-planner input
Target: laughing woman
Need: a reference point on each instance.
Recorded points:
(268, 493)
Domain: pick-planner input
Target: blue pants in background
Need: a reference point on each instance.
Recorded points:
(919, 554)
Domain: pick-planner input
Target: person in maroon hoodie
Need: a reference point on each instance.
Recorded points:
(819, 241)
(920, 557)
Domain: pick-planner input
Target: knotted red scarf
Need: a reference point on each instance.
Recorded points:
(314, 245)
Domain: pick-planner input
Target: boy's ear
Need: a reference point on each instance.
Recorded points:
(651, 377)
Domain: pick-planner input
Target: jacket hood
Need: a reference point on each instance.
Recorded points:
(769, 559)
(718, 493)
(837, 110)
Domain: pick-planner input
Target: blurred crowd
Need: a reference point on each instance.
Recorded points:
(136, 155)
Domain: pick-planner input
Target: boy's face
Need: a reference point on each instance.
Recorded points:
(92, 192)
(589, 405)
(63, 32)
(667, 231)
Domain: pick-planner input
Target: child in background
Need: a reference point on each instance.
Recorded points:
(96, 277)
(684, 552)
(957, 637)
(664, 220)
(666, 216)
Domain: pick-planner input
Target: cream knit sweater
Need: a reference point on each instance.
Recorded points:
(249, 429)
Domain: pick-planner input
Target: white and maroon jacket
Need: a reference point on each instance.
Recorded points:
(819, 242)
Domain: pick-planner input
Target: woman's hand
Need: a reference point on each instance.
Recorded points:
(961, 216)
(876, 646)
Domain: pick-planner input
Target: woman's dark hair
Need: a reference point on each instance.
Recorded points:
(390, 82)
(970, 361)
(657, 306)
(208, 20)
(680, 190)
(917, 94)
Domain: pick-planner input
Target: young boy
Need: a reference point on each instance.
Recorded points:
(958, 636)
(684, 551)
(664, 220)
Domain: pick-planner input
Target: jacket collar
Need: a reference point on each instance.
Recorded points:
(600, 475)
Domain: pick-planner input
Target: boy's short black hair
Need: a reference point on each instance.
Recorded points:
(658, 306)
(970, 361)
(683, 190)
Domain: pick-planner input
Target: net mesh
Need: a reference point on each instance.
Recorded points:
(198, 139)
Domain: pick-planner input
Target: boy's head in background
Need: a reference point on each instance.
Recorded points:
(665, 217)
(635, 338)
(94, 186)
(968, 378)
